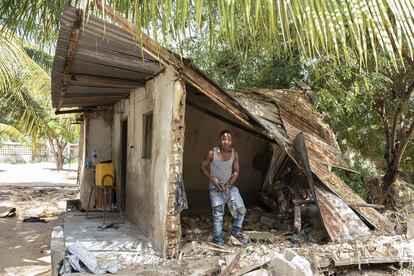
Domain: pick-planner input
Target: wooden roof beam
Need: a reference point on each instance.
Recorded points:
(90, 80)
(70, 55)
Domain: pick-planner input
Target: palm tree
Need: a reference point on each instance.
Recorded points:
(24, 88)
(316, 27)
(25, 105)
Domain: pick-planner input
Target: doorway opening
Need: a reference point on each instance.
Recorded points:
(124, 150)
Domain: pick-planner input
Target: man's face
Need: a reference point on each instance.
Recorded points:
(225, 141)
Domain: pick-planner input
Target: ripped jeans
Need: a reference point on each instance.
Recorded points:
(218, 202)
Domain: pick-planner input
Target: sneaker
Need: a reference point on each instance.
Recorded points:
(220, 243)
(243, 240)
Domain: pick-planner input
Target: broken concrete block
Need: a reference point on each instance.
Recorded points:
(302, 264)
(280, 266)
(234, 241)
(298, 266)
(289, 254)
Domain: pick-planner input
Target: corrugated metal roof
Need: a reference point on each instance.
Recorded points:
(285, 114)
(107, 64)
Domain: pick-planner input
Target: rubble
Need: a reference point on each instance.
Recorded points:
(277, 250)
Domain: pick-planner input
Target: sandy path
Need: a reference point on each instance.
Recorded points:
(37, 174)
(25, 247)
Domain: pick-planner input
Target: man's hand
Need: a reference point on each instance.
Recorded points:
(226, 187)
(216, 183)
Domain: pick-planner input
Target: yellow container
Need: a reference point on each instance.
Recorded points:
(102, 172)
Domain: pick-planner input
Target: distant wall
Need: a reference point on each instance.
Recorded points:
(97, 136)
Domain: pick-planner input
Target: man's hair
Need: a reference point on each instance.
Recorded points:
(225, 131)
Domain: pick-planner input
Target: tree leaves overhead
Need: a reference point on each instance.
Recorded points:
(24, 88)
(316, 27)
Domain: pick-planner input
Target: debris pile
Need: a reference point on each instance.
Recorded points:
(283, 259)
(359, 251)
(259, 226)
(79, 259)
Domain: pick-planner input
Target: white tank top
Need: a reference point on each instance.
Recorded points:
(220, 169)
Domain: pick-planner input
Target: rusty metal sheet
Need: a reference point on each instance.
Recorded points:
(259, 106)
(318, 149)
(286, 113)
(336, 185)
(340, 220)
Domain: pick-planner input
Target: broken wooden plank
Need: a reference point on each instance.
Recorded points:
(300, 147)
(297, 220)
(232, 264)
(376, 206)
(278, 157)
(70, 54)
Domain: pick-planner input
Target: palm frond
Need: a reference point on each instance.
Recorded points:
(8, 132)
(24, 87)
(316, 27)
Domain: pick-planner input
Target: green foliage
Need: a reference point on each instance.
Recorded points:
(63, 129)
(25, 105)
(316, 28)
(349, 94)
(358, 181)
(247, 67)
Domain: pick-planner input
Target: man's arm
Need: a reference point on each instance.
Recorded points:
(235, 172)
(205, 169)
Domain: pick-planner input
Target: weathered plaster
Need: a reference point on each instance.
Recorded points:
(147, 179)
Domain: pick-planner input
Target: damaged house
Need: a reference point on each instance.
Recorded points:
(156, 115)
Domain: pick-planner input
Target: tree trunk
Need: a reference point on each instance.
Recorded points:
(59, 156)
(58, 160)
(388, 180)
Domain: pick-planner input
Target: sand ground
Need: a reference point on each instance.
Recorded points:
(34, 190)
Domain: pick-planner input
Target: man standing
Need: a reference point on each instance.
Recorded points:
(221, 167)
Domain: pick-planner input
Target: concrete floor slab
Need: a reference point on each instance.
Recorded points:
(126, 244)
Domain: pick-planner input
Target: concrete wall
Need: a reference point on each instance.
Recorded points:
(97, 136)
(201, 135)
(147, 179)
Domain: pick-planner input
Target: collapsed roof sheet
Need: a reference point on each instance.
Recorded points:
(285, 114)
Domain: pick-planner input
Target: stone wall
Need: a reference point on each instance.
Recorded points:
(175, 170)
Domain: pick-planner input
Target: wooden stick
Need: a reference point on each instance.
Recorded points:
(232, 264)
(377, 206)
